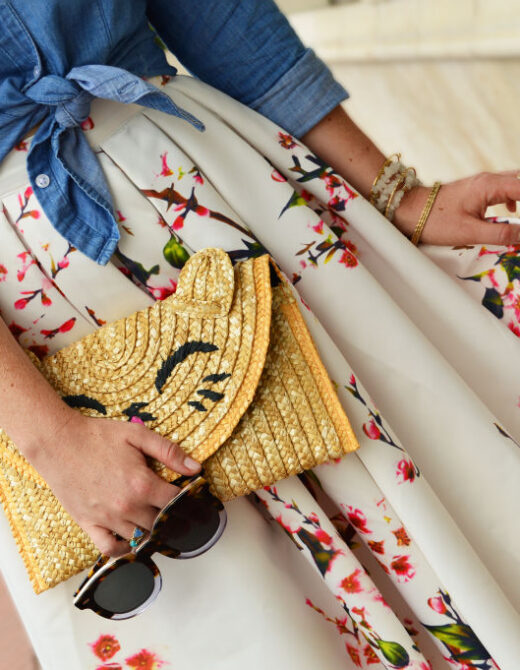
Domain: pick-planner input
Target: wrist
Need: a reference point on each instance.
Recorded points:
(40, 439)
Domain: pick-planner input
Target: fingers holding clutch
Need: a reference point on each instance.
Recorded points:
(162, 449)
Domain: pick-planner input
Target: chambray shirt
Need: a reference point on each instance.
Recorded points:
(57, 55)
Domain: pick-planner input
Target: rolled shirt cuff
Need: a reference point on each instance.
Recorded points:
(302, 97)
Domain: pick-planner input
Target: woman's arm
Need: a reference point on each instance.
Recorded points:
(249, 50)
(29, 407)
(95, 466)
(458, 215)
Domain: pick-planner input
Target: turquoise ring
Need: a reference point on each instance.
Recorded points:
(137, 537)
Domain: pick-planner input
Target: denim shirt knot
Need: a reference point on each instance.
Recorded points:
(71, 95)
(72, 103)
(60, 152)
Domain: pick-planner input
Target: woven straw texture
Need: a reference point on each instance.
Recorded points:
(225, 366)
(295, 421)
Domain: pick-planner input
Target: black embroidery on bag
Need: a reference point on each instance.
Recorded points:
(82, 400)
(217, 377)
(198, 405)
(185, 350)
(134, 410)
(215, 396)
(211, 395)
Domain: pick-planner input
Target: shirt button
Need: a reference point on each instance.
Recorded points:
(36, 71)
(42, 180)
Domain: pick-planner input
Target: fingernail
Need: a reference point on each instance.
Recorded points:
(191, 464)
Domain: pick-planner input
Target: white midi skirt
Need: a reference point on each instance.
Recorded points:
(404, 554)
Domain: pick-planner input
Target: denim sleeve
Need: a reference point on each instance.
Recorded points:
(248, 49)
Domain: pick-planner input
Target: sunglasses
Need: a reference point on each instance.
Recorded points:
(123, 587)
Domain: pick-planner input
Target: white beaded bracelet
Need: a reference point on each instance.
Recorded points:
(410, 181)
(385, 184)
(391, 183)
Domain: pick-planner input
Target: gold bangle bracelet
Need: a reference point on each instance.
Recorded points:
(380, 174)
(416, 235)
(400, 183)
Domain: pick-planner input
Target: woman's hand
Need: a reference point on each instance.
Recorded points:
(97, 469)
(458, 214)
(457, 217)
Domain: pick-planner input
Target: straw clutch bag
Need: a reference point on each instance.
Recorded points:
(225, 367)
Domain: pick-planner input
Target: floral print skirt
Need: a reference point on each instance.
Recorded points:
(403, 554)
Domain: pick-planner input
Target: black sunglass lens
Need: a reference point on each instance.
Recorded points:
(191, 522)
(125, 588)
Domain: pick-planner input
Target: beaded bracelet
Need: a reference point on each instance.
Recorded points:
(398, 185)
(391, 183)
(404, 185)
(374, 192)
(381, 191)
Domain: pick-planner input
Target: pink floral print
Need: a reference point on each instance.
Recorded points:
(501, 284)
(322, 546)
(107, 647)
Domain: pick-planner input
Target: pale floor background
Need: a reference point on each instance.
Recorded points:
(443, 90)
(449, 119)
(437, 81)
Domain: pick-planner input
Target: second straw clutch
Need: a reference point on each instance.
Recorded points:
(225, 367)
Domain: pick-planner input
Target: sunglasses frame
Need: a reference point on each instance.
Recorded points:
(84, 595)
